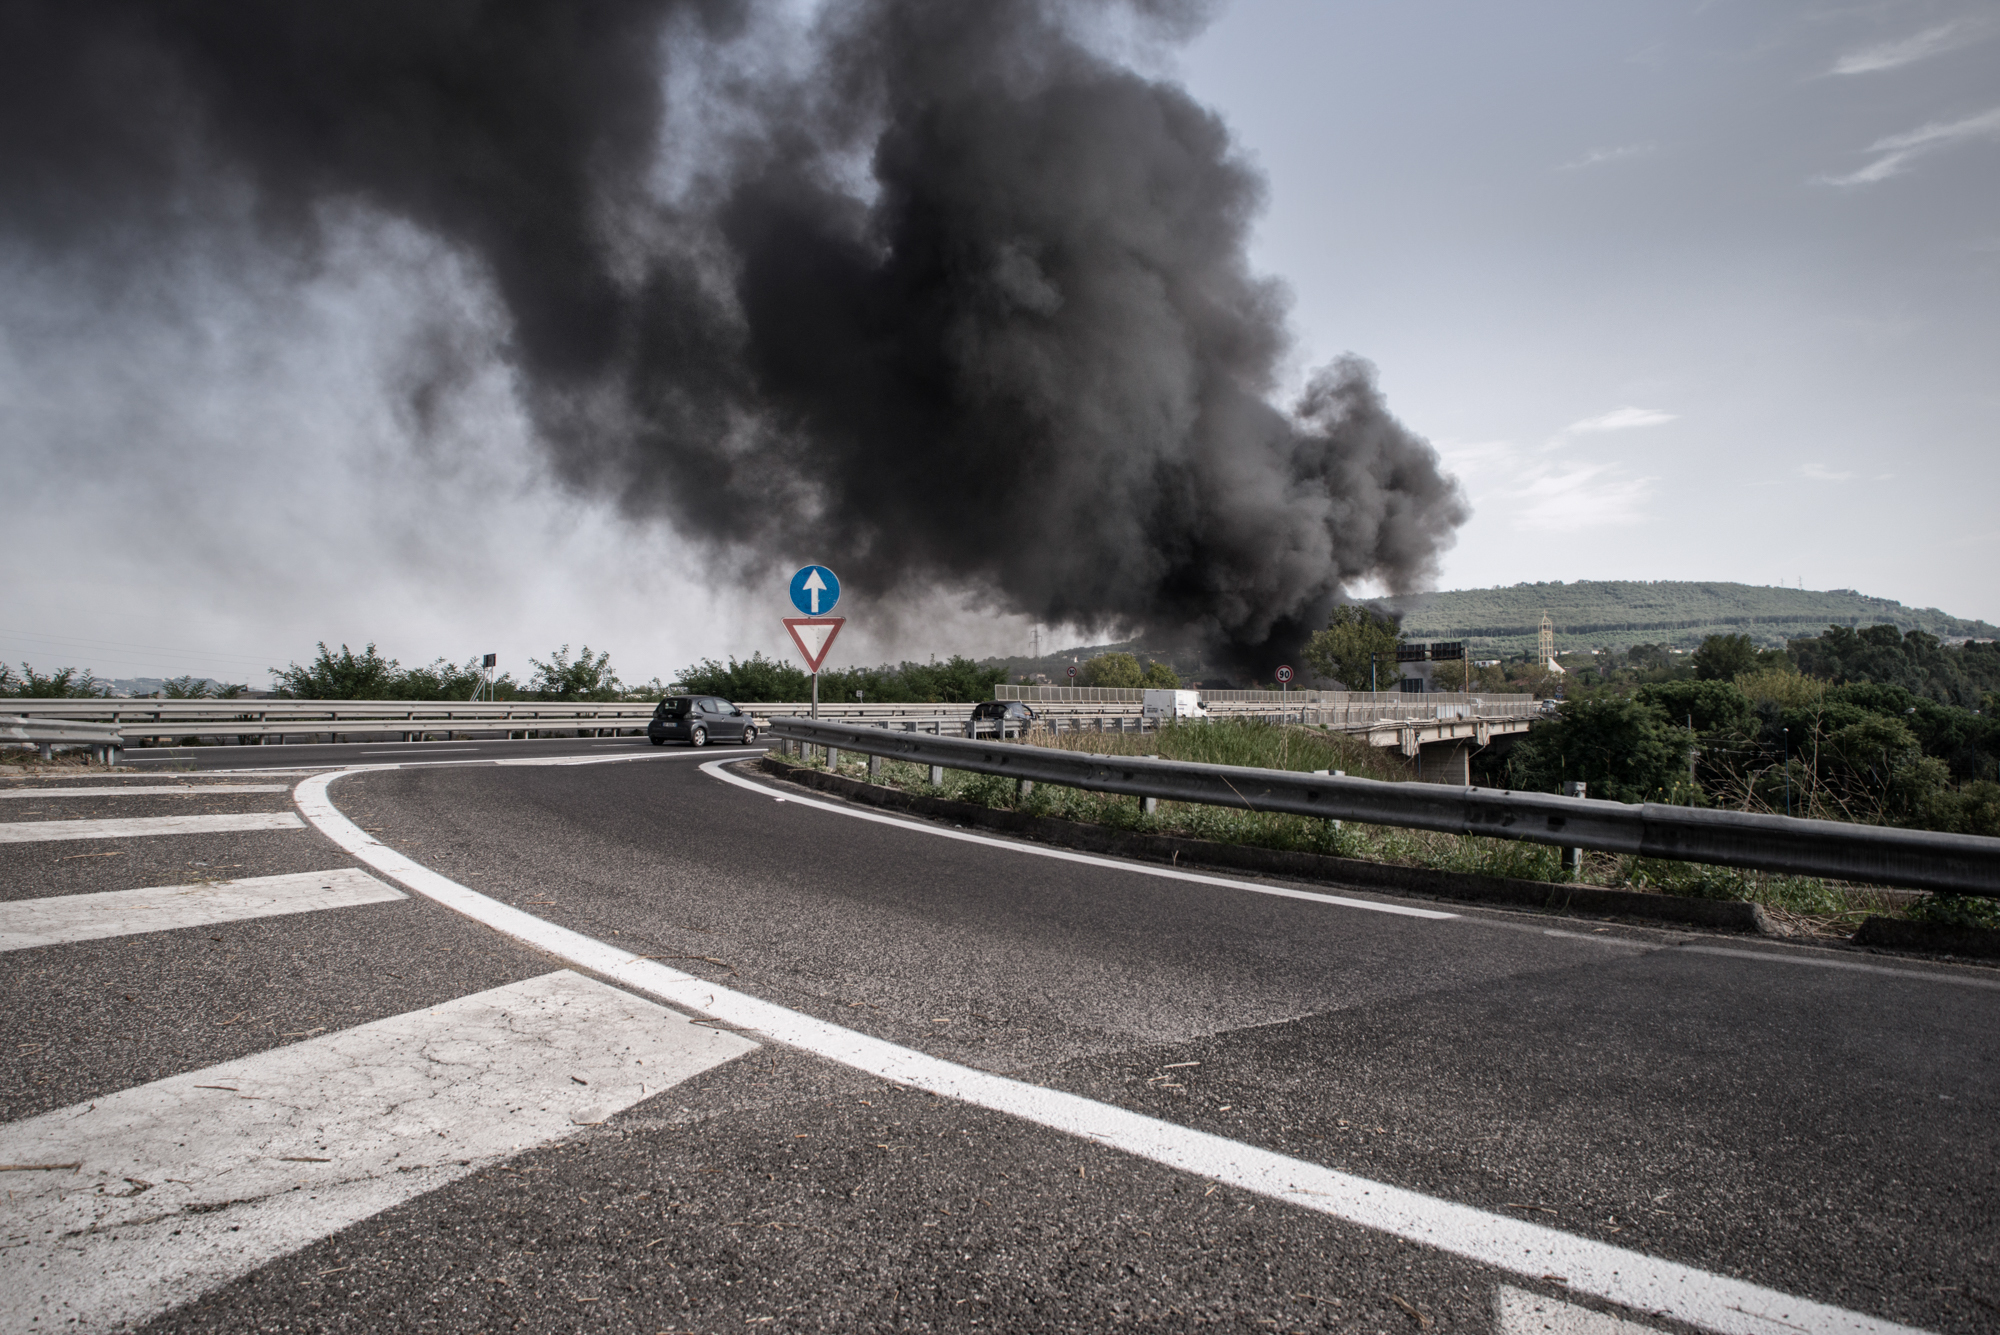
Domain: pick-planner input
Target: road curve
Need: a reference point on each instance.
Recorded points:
(1770, 1117)
(1745, 1111)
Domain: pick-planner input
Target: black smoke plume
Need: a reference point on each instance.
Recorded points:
(955, 295)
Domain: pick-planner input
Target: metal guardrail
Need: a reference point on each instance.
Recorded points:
(1916, 859)
(1387, 718)
(103, 739)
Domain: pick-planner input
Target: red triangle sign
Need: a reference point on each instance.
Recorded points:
(814, 636)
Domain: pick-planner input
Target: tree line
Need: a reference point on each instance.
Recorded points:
(1878, 725)
(957, 680)
(367, 675)
(346, 675)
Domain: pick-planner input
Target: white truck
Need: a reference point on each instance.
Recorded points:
(1173, 704)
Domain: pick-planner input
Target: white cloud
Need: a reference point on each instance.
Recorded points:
(1820, 473)
(1909, 50)
(1899, 149)
(1597, 157)
(1621, 419)
(1547, 495)
(1560, 498)
(1479, 456)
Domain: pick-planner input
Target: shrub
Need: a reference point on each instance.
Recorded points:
(62, 684)
(1956, 911)
(1622, 747)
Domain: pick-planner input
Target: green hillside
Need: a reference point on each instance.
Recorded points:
(1613, 613)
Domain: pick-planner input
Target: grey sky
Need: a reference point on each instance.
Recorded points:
(1680, 291)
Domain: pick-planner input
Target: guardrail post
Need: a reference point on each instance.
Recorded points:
(937, 776)
(1334, 774)
(1148, 805)
(1023, 787)
(1572, 858)
(874, 768)
(833, 758)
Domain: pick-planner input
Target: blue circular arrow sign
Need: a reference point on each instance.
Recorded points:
(815, 590)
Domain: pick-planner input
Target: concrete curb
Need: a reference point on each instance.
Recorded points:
(1728, 915)
(1929, 937)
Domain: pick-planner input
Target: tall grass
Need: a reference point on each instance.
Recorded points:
(1250, 742)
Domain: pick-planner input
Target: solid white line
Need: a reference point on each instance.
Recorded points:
(1086, 859)
(133, 827)
(1518, 1312)
(185, 1187)
(28, 923)
(180, 790)
(1631, 1279)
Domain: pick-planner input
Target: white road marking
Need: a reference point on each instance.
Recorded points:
(1518, 1312)
(132, 827)
(1087, 859)
(184, 1188)
(180, 790)
(27, 923)
(1630, 1279)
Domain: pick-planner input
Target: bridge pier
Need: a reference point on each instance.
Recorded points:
(1446, 762)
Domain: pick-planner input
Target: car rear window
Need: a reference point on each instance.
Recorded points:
(675, 707)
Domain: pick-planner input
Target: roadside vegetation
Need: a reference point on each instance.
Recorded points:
(1122, 671)
(63, 684)
(1876, 726)
(367, 675)
(957, 680)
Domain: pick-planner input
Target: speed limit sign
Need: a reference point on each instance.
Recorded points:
(1072, 671)
(1284, 674)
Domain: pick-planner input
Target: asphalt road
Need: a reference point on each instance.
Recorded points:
(1756, 1112)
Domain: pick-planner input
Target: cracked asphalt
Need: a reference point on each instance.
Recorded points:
(1824, 1132)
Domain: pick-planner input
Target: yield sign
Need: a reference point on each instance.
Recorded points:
(814, 636)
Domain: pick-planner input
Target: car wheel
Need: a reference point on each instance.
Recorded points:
(749, 735)
(659, 741)
(698, 736)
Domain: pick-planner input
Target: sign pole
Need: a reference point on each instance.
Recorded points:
(815, 708)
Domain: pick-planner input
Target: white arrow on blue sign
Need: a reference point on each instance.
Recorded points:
(815, 590)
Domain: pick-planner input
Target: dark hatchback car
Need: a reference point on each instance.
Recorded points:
(699, 720)
(1010, 718)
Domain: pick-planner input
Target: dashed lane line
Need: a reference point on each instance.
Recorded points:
(42, 831)
(28, 923)
(1630, 1279)
(192, 1181)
